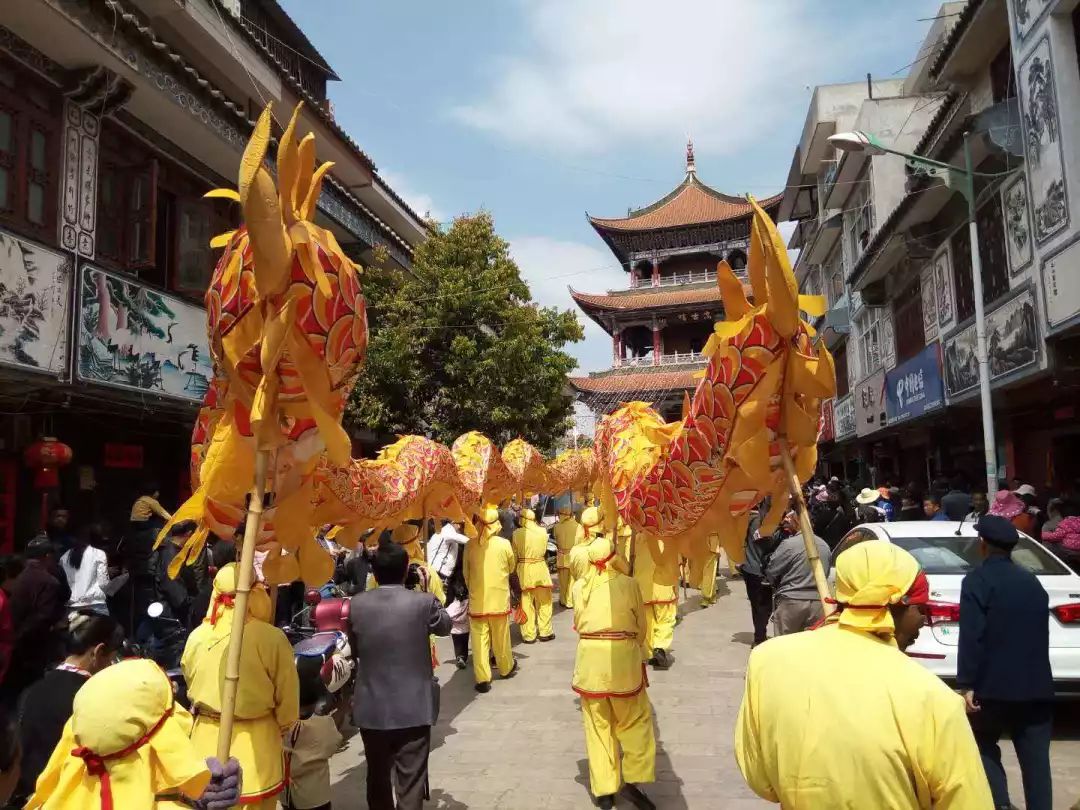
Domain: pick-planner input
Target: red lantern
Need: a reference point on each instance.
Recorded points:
(46, 457)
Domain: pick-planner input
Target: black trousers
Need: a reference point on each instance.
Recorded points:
(461, 644)
(759, 592)
(397, 763)
(1029, 725)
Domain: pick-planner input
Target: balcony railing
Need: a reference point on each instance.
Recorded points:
(672, 359)
(690, 277)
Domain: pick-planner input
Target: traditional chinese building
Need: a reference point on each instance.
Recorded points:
(660, 323)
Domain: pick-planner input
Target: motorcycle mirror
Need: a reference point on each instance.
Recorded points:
(312, 597)
(155, 610)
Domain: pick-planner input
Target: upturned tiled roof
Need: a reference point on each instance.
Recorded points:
(691, 203)
(649, 297)
(636, 382)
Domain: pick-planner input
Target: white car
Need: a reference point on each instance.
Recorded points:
(947, 552)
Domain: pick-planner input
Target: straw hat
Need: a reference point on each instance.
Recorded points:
(867, 496)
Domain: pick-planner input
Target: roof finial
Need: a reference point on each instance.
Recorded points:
(690, 169)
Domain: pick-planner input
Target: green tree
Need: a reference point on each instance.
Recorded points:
(459, 345)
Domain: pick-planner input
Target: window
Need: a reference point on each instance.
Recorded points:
(840, 361)
(127, 213)
(152, 218)
(859, 219)
(869, 330)
(834, 277)
(29, 152)
(908, 322)
(995, 263)
(1002, 78)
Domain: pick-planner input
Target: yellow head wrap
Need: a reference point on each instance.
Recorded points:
(220, 611)
(870, 576)
(408, 537)
(528, 514)
(126, 738)
(589, 561)
(591, 517)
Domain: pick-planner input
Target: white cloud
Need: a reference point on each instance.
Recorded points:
(550, 265)
(423, 204)
(608, 71)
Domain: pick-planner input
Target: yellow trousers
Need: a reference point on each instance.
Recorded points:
(619, 731)
(566, 588)
(660, 622)
(536, 602)
(490, 634)
(705, 578)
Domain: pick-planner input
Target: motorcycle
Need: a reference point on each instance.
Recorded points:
(165, 646)
(319, 633)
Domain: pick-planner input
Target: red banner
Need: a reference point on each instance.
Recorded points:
(124, 456)
(826, 427)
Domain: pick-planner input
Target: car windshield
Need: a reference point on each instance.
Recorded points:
(958, 555)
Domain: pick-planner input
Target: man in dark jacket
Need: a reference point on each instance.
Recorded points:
(1003, 667)
(179, 592)
(396, 701)
(956, 503)
(758, 590)
(38, 600)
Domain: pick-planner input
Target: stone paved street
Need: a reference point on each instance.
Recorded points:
(521, 746)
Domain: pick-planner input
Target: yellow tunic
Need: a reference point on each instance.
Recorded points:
(488, 564)
(267, 700)
(568, 533)
(112, 711)
(530, 548)
(840, 718)
(657, 580)
(612, 632)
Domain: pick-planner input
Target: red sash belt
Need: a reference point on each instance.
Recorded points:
(611, 635)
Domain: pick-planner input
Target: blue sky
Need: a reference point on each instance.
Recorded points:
(541, 110)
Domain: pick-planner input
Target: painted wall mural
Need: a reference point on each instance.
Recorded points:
(1027, 14)
(929, 303)
(1042, 137)
(943, 288)
(1061, 284)
(1012, 344)
(35, 295)
(1014, 203)
(138, 338)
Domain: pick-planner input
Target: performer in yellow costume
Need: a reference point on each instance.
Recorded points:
(702, 572)
(840, 717)
(658, 582)
(568, 533)
(489, 562)
(268, 698)
(530, 548)
(609, 672)
(127, 745)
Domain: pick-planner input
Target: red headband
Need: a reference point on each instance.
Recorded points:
(601, 565)
(220, 601)
(919, 592)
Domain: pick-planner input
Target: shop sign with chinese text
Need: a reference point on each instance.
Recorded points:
(914, 387)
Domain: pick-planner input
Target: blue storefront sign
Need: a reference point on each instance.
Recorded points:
(914, 387)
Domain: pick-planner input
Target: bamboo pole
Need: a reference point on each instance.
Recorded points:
(807, 530)
(243, 589)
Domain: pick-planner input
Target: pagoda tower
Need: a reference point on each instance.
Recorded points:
(660, 324)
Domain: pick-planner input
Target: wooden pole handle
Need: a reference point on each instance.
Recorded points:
(806, 528)
(245, 576)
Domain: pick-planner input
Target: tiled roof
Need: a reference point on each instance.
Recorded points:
(654, 297)
(952, 38)
(635, 382)
(691, 203)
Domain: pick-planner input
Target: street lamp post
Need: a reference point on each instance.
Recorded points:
(865, 142)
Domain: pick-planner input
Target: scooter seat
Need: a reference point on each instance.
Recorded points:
(317, 646)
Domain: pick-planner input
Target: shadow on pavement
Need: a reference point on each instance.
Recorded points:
(743, 638)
